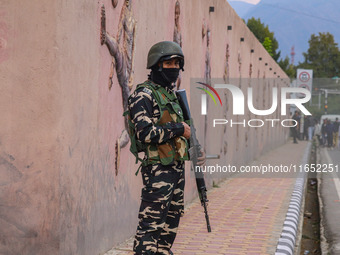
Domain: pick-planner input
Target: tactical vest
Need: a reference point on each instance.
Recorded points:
(175, 149)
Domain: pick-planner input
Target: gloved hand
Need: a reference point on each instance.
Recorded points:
(187, 131)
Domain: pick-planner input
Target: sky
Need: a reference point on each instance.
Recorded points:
(247, 1)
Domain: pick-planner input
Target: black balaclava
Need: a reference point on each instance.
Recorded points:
(166, 77)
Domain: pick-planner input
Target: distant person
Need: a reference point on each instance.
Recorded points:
(336, 133)
(324, 132)
(317, 131)
(338, 138)
(311, 127)
(305, 128)
(329, 131)
(338, 145)
(295, 129)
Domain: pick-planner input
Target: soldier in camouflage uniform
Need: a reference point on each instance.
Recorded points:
(162, 133)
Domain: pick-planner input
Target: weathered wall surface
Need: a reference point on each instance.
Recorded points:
(60, 190)
(30, 113)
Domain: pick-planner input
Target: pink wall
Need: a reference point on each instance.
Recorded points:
(59, 188)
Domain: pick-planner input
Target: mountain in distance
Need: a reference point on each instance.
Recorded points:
(294, 21)
(241, 8)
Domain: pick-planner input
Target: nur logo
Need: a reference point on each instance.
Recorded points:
(239, 99)
(204, 97)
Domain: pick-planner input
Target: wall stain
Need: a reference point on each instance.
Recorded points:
(8, 172)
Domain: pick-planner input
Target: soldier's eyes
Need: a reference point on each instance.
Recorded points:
(171, 63)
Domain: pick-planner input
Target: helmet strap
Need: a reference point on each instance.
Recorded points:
(160, 67)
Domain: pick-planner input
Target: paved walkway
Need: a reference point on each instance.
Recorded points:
(246, 214)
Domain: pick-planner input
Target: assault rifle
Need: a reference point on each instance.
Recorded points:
(194, 153)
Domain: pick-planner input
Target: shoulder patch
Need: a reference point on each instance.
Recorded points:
(147, 91)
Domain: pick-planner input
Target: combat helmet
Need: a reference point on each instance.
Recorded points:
(163, 51)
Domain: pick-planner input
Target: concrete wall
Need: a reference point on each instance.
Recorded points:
(30, 106)
(59, 190)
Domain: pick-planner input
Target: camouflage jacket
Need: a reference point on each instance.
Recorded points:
(157, 117)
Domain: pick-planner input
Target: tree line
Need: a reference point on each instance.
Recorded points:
(323, 54)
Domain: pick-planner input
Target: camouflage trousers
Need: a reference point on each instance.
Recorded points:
(161, 208)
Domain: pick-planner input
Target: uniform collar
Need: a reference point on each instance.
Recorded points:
(168, 89)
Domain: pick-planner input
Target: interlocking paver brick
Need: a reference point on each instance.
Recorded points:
(246, 214)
